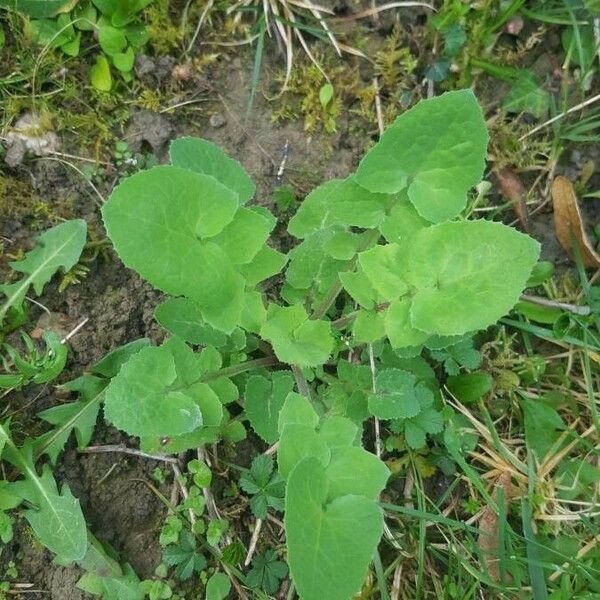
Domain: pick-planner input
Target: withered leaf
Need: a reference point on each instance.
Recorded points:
(489, 537)
(568, 222)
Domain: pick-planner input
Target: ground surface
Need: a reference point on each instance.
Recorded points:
(120, 508)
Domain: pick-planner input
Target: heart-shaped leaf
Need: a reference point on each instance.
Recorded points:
(330, 545)
(436, 150)
(173, 212)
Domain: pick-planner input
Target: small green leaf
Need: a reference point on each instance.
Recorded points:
(338, 202)
(58, 248)
(298, 442)
(382, 266)
(353, 470)
(402, 222)
(436, 150)
(266, 263)
(215, 531)
(369, 326)
(325, 94)
(218, 587)
(243, 238)
(263, 401)
(55, 517)
(542, 426)
(112, 40)
(461, 274)
(399, 327)
(526, 95)
(38, 9)
(124, 60)
(395, 396)
(168, 246)
(297, 410)
(295, 338)
(266, 572)
(358, 285)
(470, 387)
(207, 158)
(183, 318)
(100, 74)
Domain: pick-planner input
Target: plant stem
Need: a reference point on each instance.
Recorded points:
(266, 361)
(336, 286)
(301, 382)
(122, 449)
(346, 319)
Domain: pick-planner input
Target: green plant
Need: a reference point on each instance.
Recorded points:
(385, 267)
(58, 248)
(115, 24)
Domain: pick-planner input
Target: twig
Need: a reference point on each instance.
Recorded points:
(301, 382)
(208, 6)
(395, 593)
(253, 542)
(572, 308)
(184, 492)
(38, 304)
(74, 331)
(272, 449)
(561, 115)
(409, 484)
(106, 475)
(373, 11)
(122, 449)
(69, 164)
(378, 110)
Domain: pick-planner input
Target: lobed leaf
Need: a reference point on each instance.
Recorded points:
(330, 544)
(467, 274)
(159, 222)
(58, 248)
(207, 158)
(145, 400)
(295, 338)
(436, 151)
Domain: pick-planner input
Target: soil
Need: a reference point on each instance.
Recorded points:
(118, 505)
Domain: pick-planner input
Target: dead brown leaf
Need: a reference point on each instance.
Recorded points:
(489, 538)
(514, 190)
(568, 222)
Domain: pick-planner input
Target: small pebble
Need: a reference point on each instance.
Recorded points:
(217, 120)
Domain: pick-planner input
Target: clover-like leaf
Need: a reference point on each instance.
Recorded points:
(295, 338)
(330, 544)
(160, 221)
(395, 396)
(435, 150)
(207, 158)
